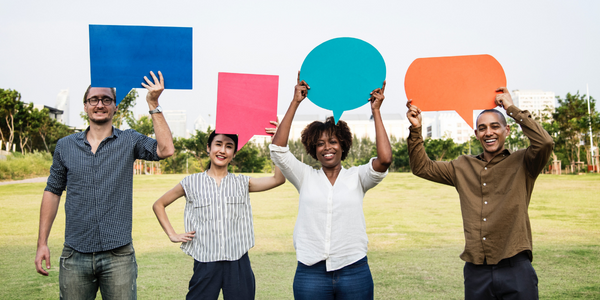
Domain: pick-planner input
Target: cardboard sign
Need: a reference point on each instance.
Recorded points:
(246, 103)
(459, 83)
(120, 56)
(342, 73)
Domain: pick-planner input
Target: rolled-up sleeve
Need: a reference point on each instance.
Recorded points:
(290, 166)
(369, 178)
(57, 181)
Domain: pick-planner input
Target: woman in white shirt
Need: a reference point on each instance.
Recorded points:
(218, 222)
(330, 234)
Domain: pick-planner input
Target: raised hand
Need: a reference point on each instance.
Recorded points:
(377, 97)
(413, 114)
(272, 131)
(504, 99)
(155, 88)
(300, 90)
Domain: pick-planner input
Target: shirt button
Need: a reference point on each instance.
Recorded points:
(484, 184)
(484, 219)
(521, 120)
(484, 238)
(485, 168)
(485, 202)
(511, 114)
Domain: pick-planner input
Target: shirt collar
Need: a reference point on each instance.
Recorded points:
(506, 152)
(115, 133)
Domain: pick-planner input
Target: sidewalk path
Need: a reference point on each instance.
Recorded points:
(30, 180)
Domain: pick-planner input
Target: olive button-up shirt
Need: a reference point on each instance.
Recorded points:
(494, 196)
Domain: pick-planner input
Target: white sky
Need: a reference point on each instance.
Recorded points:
(545, 45)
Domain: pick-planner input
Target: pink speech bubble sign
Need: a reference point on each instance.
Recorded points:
(459, 83)
(246, 103)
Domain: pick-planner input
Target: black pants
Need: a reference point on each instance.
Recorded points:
(234, 277)
(512, 278)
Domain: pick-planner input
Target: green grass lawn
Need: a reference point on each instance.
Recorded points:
(414, 228)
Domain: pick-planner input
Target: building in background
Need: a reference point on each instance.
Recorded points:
(446, 125)
(63, 103)
(535, 101)
(55, 114)
(201, 124)
(177, 120)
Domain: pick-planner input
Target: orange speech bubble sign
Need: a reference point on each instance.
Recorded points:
(459, 83)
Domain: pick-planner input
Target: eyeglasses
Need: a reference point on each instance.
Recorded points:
(94, 101)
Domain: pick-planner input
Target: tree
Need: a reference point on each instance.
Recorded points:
(9, 105)
(442, 149)
(143, 125)
(248, 160)
(570, 125)
(516, 139)
(196, 145)
(400, 158)
(26, 123)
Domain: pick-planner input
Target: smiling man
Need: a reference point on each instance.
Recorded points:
(494, 188)
(96, 169)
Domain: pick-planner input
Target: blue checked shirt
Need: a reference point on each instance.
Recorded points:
(99, 186)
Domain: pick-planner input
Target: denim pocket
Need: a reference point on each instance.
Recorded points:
(66, 254)
(123, 251)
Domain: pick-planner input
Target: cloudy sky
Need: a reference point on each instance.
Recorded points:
(542, 45)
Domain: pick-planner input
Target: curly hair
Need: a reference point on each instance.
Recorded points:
(312, 133)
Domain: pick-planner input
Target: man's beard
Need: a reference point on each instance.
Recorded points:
(100, 121)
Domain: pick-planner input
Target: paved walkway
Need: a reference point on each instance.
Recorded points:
(30, 180)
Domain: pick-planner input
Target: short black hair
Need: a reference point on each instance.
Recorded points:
(234, 137)
(502, 118)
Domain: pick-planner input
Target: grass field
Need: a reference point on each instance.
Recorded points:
(414, 228)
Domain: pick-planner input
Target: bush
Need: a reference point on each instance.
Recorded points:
(21, 166)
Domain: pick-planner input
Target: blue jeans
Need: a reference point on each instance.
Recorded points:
(113, 271)
(350, 282)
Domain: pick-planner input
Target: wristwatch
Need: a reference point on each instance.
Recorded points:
(158, 109)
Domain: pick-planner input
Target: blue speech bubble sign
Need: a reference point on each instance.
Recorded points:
(341, 73)
(120, 56)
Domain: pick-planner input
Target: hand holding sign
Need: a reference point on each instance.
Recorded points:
(460, 83)
(342, 72)
(120, 56)
(246, 104)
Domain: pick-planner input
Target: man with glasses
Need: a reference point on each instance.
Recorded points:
(96, 169)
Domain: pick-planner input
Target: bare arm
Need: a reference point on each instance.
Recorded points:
(164, 138)
(159, 210)
(48, 212)
(384, 149)
(283, 132)
(267, 183)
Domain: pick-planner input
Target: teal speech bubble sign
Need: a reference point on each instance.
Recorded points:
(341, 73)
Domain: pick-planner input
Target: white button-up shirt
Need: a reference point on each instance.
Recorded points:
(330, 224)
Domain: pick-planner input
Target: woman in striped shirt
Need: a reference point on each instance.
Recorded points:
(218, 222)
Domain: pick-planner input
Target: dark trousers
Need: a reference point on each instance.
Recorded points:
(235, 278)
(353, 282)
(512, 278)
